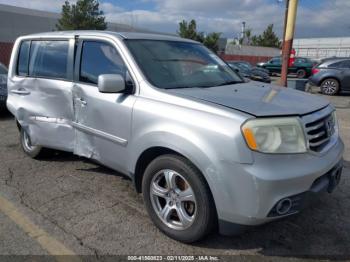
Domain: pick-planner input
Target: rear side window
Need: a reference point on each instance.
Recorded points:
(346, 64)
(23, 59)
(275, 61)
(341, 64)
(99, 58)
(49, 59)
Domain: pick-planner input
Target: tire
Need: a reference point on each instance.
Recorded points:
(301, 73)
(330, 86)
(28, 148)
(195, 207)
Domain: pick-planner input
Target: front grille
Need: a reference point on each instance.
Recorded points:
(319, 132)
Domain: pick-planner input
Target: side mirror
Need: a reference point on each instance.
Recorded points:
(111, 83)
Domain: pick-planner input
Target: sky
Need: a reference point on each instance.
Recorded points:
(315, 18)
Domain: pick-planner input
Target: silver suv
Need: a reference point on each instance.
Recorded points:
(205, 148)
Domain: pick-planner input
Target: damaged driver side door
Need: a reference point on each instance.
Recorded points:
(102, 120)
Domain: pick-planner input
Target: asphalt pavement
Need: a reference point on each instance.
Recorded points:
(64, 204)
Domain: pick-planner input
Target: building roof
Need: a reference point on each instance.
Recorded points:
(18, 21)
(251, 50)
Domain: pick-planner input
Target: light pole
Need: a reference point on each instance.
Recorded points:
(288, 38)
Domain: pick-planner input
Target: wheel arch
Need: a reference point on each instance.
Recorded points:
(330, 77)
(146, 157)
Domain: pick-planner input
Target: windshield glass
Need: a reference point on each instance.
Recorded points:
(246, 65)
(174, 64)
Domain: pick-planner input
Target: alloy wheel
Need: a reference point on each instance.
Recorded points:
(173, 199)
(329, 87)
(26, 141)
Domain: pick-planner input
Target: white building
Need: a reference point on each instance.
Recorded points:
(318, 48)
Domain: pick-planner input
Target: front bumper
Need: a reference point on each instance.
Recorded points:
(250, 193)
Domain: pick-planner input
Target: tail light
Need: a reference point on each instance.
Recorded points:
(315, 71)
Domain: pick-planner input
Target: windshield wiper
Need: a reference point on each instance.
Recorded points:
(198, 86)
(229, 83)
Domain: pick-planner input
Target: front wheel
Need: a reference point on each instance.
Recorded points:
(178, 199)
(33, 151)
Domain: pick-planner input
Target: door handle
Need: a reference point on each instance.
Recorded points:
(82, 101)
(20, 92)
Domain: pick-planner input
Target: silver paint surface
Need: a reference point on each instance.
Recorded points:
(201, 124)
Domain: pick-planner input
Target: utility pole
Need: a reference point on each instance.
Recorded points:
(288, 39)
(285, 21)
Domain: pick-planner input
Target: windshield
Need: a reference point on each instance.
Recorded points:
(174, 64)
(246, 65)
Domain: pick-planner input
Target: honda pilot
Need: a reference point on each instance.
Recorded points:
(206, 149)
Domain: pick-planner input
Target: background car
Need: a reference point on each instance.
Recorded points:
(248, 71)
(302, 66)
(332, 75)
(3, 86)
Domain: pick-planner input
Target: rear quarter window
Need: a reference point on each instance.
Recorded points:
(23, 59)
(340, 64)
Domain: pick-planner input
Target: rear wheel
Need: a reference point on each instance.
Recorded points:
(330, 86)
(301, 73)
(178, 199)
(31, 150)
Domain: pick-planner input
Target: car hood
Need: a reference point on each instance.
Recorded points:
(257, 99)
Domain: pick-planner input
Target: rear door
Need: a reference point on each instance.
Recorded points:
(41, 91)
(102, 120)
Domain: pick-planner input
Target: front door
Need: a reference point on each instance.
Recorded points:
(345, 83)
(102, 120)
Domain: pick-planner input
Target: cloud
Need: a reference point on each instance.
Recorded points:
(331, 18)
(326, 18)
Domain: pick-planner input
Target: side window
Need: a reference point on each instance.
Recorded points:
(340, 64)
(23, 59)
(347, 64)
(49, 59)
(99, 58)
(275, 61)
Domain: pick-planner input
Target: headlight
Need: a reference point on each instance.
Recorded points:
(275, 135)
(336, 124)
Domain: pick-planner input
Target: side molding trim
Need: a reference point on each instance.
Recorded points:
(99, 133)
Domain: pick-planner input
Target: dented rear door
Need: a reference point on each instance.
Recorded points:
(41, 89)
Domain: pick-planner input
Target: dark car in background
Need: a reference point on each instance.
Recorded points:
(245, 69)
(301, 67)
(3, 86)
(332, 75)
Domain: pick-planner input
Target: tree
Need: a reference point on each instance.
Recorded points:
(267, 38)
(211, 41)
(83, 15)
(189, 30)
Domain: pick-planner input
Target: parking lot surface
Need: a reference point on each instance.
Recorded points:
(71, 203)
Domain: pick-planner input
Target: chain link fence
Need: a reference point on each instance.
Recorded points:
(5, 53)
